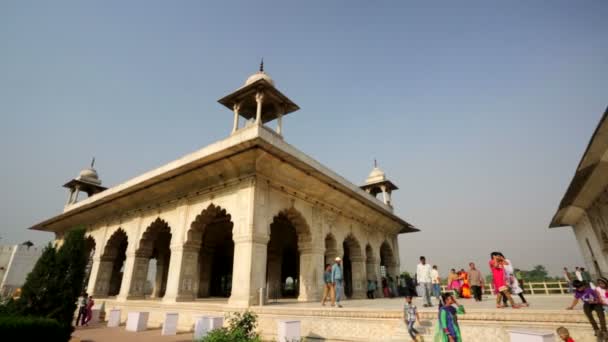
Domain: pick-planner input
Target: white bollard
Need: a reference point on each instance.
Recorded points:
(531, 336)
(170, 324)
(137, 321)
(289, 331)
(114, 318)
(204, 324)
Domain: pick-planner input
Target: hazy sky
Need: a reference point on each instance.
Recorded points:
(478, 111)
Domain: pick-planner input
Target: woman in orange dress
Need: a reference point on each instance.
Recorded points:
(466, 288)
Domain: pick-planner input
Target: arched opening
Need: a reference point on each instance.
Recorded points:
(113, 259)
(387, 260)
(352, 253)
(331, 248)
(211, 234)
(152, 261)
(288, 232)
(89, 251)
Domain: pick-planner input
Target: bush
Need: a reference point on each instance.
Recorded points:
(241, 328)
(31, 328)
(53, 286)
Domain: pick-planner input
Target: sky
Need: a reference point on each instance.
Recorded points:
(479, 111)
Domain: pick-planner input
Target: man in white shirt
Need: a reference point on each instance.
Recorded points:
(578, 274)
(436, 283)
(423, 276)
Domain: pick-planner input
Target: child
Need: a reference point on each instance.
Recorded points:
(564, 334)
(448, 329)
(590, 304)
(410, 315)
(602, 286)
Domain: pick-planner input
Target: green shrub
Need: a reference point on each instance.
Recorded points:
(31, 328)
(241, 328)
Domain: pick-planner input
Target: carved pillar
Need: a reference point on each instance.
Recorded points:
(280, 120)
(311, 273)
(139, 277)
(183, 268)
(259, 99)
(358, 276)
(101, 274)
(236, 107)
(249, 269)
(127, 276)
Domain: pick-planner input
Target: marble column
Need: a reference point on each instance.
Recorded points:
(259, 99)
(139, 277)
(183, 268)
(358, 277)
(235, 124)
(101, 274)
(311, 274)
(127, 276)
(249, 269)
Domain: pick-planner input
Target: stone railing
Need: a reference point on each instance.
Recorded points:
(535, 288)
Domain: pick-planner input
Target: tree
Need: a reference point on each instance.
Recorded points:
(52, 288)
(28, 243)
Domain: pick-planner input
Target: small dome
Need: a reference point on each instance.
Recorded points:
(375, 176)
(259, 76)
(89, 175)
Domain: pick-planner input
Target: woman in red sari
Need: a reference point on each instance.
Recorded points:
(465, 290)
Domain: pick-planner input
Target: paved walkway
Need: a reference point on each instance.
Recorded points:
(101, 333)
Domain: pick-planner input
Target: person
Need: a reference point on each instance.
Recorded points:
(476, 281)
(436, 283)
(520, 278)
(564, 334)
(453, 282)
(371, 288)
(465, 289)
(89, 310)
(568, 279)
(336, 280)
(82, 307)
(498, 274)
(513, 282)
(391, 286)
(448, 329)
(578, 274)
(587, 277)
(590, 304)
(423, 275)
(602, 292)
(385, 291)
(329, 292)
(410, 316)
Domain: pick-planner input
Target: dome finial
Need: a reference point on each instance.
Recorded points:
(262, 65)
(375, 163)
(93, 162)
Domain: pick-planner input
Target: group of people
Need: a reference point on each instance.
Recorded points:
(85, 309)
(448, 329)
(334, 283)
(579, 274)
(505, 282)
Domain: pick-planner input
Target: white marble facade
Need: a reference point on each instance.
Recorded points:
(244, 214)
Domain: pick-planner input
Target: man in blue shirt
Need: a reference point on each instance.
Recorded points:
(337, 280)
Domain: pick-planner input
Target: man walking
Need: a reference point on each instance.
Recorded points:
(568, 279)
(82, 309)
(436, 283)
(476, 280)
(336, 280)
(423, 275)
(578, 274)
(328, 289)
